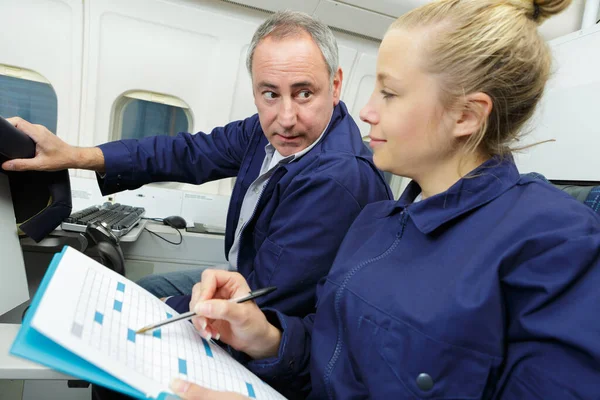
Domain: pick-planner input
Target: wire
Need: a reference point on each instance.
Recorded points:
(25, 312)
(167, 240)
(154, 219)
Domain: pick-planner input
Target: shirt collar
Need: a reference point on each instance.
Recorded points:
(278, 158)
(480, 186)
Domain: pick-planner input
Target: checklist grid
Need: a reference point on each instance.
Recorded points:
(108, 313)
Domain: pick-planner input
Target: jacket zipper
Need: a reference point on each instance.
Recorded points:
(338, 297)
(239, 237)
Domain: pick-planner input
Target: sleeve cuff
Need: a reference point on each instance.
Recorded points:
(118, 166)
(181, 304)
(291, 349)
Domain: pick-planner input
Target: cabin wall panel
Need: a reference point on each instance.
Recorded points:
(46, 36)
(568, 113)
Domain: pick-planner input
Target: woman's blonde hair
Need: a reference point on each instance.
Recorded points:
(489, 46)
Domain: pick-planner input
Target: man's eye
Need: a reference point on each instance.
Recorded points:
(269, 95)
(305, 94)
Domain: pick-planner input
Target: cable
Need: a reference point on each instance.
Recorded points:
(25, 312)
(153, 219)
(167, 240)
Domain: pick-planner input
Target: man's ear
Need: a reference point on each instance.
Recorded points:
(337, 85)
(475, 110)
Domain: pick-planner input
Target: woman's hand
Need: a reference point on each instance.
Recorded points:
(191, 391)
(243, 326)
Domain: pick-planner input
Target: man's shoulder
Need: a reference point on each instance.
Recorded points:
(334, 162)
(355, 174)
(249, 125)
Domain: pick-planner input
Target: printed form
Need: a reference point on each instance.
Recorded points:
(94, 312)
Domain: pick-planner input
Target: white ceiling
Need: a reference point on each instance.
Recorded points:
(371, 17)
(562, 24)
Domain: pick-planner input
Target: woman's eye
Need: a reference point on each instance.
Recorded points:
(386, 95)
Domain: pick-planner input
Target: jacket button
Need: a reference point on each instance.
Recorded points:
(424, 382)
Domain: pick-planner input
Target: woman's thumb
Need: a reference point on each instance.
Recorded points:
(190, 391)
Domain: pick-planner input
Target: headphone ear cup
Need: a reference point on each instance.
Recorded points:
(111, 256)
(101, 232)
(106, 244)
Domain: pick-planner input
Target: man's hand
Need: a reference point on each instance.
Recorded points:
(243, 326)
(190, 391)
(52, 153)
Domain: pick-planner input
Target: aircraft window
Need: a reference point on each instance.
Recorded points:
(27, 94)
(142, 114)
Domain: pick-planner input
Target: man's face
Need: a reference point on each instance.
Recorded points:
(292, 91)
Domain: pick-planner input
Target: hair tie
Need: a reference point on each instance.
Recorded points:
(536, 11)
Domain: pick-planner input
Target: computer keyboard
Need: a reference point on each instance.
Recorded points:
(120, 218)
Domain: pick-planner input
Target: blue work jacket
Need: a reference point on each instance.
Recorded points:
(302, 215)
(490, 290)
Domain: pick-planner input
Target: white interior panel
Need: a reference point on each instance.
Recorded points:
(393, 8)
(242, 102)
(348, 56)
(358, 58)
(307, 6)
(353, 19)
(361, 87)
(13, 281)
(193, 52)
(568, 113)
(45, 36)
(187, 50)
(564, 23)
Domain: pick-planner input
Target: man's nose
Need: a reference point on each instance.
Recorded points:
(287, 114)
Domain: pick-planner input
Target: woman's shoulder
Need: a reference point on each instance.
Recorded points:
(541, 198)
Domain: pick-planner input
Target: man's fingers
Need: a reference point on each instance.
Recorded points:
(21, 164)
(24, 126)
(16, 121)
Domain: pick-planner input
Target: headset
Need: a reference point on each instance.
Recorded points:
(99, 237)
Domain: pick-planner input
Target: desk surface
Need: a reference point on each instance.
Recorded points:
(131, 236)
(56, 237)
(17, 368)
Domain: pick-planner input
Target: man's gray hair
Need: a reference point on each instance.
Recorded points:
(284, 24)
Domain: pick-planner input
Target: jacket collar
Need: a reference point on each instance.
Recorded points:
(479, 187)
(341, 136)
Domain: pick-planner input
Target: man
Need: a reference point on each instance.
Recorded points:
(303, 173)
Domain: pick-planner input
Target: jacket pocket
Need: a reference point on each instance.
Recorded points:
(423, 366)
(267, 257)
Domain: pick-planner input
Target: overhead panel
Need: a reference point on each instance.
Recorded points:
(307, 6)
(392, 8)
(353, 19)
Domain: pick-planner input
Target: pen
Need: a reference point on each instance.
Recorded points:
(188, 315)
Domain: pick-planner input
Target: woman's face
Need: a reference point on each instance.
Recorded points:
(410, 129)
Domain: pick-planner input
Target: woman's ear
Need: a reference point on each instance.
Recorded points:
(475, 111)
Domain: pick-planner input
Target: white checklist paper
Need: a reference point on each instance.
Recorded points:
(94, 312)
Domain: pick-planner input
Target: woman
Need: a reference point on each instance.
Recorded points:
(477, 283)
